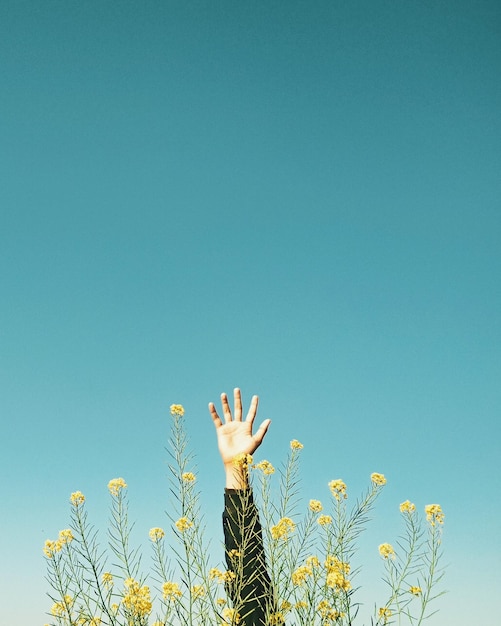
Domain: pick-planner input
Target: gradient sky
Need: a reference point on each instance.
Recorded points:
(298, 198)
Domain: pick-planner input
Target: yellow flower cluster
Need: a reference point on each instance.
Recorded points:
(312, 561)
(336, 573)
(116, 485)
(137, 599)
(315, 506)
(378, 479)
(266, 467)
(300, 574)
(183, 523)
(324, 520)
(171, 591)
(231, 616)
(156, 534)
(386, 550)
(296, 445)
(328, 613)
(177, 409)
(434, 514)
(95, 621)
(189, 477)
(222, 577)
(285, 606)
(338, 489)
(77, 498)
(51, 547)
(282, 530)
(407, 507)
(384, 613)
(60, 608)
(242, 460)
(416, 591)
(276, 619)
(197, 591)
(107, 579)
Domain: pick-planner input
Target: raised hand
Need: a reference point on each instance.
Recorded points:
(234, 436)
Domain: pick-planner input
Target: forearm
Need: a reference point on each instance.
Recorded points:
(250, 590)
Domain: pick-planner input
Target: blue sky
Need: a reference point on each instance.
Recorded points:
(298, 198)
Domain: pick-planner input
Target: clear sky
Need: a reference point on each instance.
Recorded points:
(298, 198)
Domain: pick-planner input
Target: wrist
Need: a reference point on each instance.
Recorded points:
(236, 477)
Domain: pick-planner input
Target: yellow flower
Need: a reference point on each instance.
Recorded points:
(338, 489)
(333, 564)
(407, 507)
(276, 618)
(188, 477)
(312, 561)
(265, 466)
(323, 608)
(58, 609)
(231, 615)
(177, 409)
(157, 623)
(301, 605)
(220, 601)
(156, 534)
(285, 606)
(324, 520)
(77, 498)
(116, 485)
(51, 547)
(315, 506)
(183, 523)
(65, 536)
(335, 579)
(283, 528)
(416, 591)
(197, 591)
(171, 591)
(296, 445)
(214, 572)
(242, 460)
(385, 613)
(115, 607)
(137, 599)
(228, 576)
(386, 550)
(300, 574)
(95, 621)
(434, 514)
(378, 479)
(107, 579)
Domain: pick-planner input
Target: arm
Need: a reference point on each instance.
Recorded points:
(250, 591)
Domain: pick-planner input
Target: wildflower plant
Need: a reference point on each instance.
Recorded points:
(311, 555)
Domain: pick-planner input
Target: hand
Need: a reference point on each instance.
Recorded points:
(235, 436)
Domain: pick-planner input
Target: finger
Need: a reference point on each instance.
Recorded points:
(237, 398)
(226, 408)
(261, 432)
(252, 410)
(215, 417)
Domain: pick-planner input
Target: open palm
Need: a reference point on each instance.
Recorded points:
(234, 436)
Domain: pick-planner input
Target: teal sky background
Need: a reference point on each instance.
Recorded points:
(298, 198)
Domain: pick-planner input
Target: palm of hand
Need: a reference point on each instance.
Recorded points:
(235, 438)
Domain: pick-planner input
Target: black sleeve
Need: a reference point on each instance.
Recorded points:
(250, 589)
